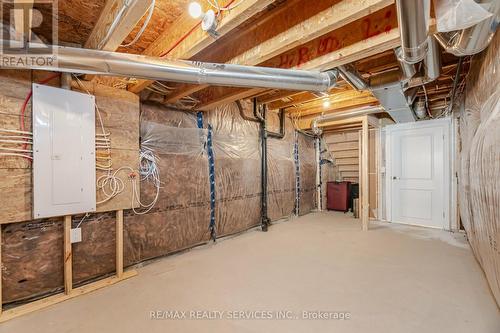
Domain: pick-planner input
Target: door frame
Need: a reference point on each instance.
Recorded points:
(449, 221)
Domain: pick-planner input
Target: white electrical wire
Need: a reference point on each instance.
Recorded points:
(16, 150)
(14, 131)
(111, 185)
(144, 25)
(216, 5)
(15, 137)
(16, 155)
(16, 142)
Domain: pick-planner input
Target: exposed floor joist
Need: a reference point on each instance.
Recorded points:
(99, 38)
(336, 16)
(188, 40)
(356, 51)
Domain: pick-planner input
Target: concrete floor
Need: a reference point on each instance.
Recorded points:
(393, 278)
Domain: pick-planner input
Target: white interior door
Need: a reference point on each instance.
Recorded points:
(418, 173)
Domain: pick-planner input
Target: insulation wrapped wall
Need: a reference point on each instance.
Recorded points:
(32, 259)
(307, 176)
(281, 171)
(237, 169)
(180, 218)
(479, 170)
(32, 250)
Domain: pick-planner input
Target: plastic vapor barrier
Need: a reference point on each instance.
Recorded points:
(180, 217)
(479, 170)
(32, 252)
(236, 147)
(307, 177)
(281, 171)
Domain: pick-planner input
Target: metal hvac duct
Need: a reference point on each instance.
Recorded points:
(474, 39)
(394, 99)
(352, 77)
(344, 115)
(85, 61)
(431, 66)
(413, 20)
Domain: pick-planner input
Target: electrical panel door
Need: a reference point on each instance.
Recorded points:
(63, 152)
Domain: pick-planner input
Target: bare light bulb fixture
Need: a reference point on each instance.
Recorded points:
(195, 10)
(326, 103)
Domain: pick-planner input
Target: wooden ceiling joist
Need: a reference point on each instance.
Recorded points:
(126, 24)
(188, 39)
(362, 49)
(336, 16)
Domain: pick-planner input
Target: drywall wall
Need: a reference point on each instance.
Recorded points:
(479, 169)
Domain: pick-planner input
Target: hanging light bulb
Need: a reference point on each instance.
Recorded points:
(326, 103)
(194, 9)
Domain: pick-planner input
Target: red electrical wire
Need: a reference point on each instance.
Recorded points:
(26, 101)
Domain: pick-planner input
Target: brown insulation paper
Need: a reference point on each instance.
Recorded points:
(32, 251)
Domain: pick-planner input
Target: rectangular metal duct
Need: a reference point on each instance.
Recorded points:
(395, 102)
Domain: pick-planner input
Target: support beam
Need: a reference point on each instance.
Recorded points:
(1, 270)
(68, 256)
(130, 18)
(336, 16)
(365, 191)
(362, 49)
(188, 40)
(119, 243)
(23, 12)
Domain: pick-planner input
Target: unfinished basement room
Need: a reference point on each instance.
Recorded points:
(250, 166)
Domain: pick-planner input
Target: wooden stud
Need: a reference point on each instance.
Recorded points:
(119, 243)
(1, 270)
(51, 300)
(364, 175)
(68, 256)
(125, 26)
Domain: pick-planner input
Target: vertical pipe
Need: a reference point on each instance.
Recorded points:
(263, 129)
(413, 20)
(318, 173)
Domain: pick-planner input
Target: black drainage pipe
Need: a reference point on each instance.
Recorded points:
(264, 134)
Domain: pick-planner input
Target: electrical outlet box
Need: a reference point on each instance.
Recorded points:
(63, 152)
(76, 235)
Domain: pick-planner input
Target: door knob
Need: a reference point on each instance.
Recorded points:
(394, 177)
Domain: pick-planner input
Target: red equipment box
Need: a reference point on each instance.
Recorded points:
(337, 194)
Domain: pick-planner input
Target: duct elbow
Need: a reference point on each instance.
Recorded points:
(330, 79)
(352, 77)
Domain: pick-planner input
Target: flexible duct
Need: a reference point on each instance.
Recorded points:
(344, 115)
(85, 61)
(474, 39)
(413, 20)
